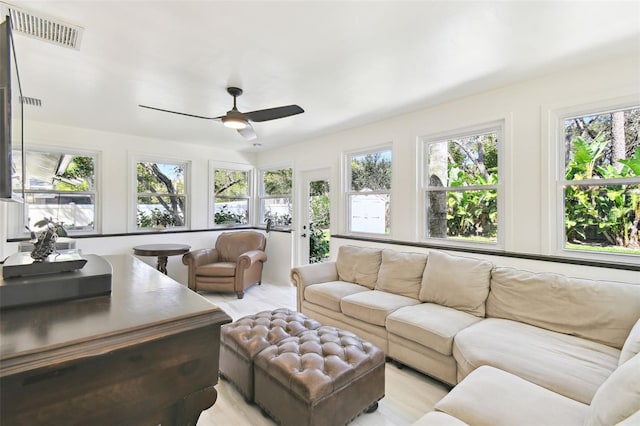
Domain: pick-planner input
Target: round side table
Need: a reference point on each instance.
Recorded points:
(163, 251)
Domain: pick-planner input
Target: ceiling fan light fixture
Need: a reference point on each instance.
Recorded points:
(237, 123)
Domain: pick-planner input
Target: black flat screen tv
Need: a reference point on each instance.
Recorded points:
(9, 86)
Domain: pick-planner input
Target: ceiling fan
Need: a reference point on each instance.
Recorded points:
(241, 121)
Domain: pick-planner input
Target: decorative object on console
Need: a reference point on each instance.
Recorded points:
(44, 242)
(22, 264)
(65, 283)
(41, 260)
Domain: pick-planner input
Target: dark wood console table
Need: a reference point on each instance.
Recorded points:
(146, 355)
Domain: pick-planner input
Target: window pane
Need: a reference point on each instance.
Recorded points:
(76, 212)
(370, 213)
(59, 172)
(602, 146)
(279, 210)
(231, 183)
(371, 172)
(602, 218)
(16, 170)
(278, 182)
(231, 211)
(472, 160)
(466, 215)
(165, 211)
(163, 178)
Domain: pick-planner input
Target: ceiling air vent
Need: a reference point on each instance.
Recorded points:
(45, 28)
(31, 101)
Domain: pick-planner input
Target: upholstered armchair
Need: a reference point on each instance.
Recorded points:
(234, 265)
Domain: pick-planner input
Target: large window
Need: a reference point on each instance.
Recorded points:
(600, 183)
(276, 202)
(231, 197)
(161, 199)
(461, 186)
(60, 186)
(369, 191)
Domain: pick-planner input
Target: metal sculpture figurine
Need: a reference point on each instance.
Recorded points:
(45, 243)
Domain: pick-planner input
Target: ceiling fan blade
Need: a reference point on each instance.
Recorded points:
(273, 113)
(180, 113)
(248, 133)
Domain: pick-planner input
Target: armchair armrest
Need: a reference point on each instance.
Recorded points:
(196, 258)
(306, 275)
(200, 257)
(249, 258)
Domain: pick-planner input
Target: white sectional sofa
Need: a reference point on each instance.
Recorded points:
(447, 316)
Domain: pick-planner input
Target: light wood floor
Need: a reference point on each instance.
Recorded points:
(408, 394)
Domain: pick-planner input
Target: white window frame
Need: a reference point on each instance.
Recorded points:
(250, 170)
(134, 159)
(497, 126)
(19, 216)
(348, 192)
(557, 182)
(259, 216)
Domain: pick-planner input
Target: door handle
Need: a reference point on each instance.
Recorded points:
(303, 236)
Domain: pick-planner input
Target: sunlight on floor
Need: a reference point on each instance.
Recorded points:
(409, 394)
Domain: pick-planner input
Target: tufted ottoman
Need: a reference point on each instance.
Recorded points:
(326, 376)
(243, 339)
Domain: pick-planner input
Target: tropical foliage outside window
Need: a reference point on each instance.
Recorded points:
(231, 192)
(601, 185)
(276, 203)
(461, 187)
(369, 192)
(161, 198)
(60, 186)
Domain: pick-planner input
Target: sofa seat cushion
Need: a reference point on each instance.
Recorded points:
(489, 397)
(457, 282)
(619, 396)
(401, 273)
(430, 325)
(374, 306)
(220, 269)
(330, 293)
(569, 365)
(438, 418)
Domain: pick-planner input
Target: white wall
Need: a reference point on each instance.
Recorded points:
(115, 151)
(523, 107)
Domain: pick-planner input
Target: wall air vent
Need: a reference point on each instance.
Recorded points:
(31, 101)
(45, 28)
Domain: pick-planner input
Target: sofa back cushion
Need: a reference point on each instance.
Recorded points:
(359, 265)
(631, 346)
(618, 397)
(457, 282)
(602, 311)
(401, 273)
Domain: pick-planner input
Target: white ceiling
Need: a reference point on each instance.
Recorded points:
(346, 63)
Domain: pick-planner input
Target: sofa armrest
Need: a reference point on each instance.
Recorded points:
(246, 260)
(196, 258)
(306, 275)
(302, 276)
